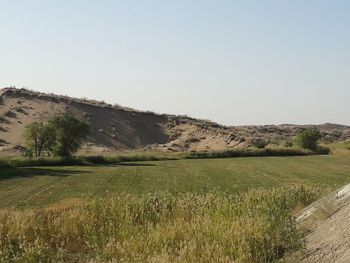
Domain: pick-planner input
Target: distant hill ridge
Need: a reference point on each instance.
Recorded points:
(114, 127)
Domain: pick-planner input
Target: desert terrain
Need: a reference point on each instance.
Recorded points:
(120, 128)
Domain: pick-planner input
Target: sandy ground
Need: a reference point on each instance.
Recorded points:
(120, 128)
(328, 240)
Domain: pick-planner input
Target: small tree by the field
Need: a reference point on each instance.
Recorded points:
(69, 134)
(61, 136)
(38, 139)
(308, 139)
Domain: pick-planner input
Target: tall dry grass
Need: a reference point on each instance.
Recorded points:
(215, 227)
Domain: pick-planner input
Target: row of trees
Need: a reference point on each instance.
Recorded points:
(61, 136)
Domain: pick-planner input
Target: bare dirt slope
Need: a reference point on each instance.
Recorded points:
(120, 128)
(329, 237)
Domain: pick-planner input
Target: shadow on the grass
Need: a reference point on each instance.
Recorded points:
(120, 164)
(19, 172)
(135, 164)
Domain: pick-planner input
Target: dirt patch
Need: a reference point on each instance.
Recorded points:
(120, 128)
(328, 238)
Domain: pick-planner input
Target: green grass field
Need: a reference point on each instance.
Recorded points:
(40, 186)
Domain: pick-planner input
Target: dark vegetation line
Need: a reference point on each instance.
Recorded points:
(138, 157)
(55, 143)
(255, 152)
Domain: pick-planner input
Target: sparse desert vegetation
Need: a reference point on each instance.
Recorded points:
(121, 128)
(2, 119)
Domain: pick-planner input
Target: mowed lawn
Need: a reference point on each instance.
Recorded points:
(40, 186)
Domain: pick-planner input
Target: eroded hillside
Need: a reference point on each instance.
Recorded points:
(120, 128)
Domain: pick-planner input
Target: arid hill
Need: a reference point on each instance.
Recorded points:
(121, 128)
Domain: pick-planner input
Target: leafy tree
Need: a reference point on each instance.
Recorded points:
(308, 139)
(38, 138)
(69, 134)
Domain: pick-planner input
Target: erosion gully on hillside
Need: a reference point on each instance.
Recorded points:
(118, 128)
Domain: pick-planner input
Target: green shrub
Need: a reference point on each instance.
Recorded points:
(61, 136)
(28, 152)
(308, 139)
(69, 134)
(39, 139)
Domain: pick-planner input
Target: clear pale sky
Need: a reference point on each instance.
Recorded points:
(234, 62)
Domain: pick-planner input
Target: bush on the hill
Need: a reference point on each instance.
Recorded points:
(61, 136)
(10, 114)
(259, 143)
(69, 134)
(19, 109)
(308, 139)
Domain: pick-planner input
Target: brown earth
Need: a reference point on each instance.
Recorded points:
(121, 128)
(327, 221)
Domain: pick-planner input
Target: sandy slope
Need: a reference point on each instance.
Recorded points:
(119, 128)
(111, 127)
(328, 240)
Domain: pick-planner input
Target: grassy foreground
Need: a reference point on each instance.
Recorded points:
(253, 227)
(41, 186)
(161, 211)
